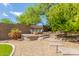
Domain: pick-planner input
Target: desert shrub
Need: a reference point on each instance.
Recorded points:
(15, 33)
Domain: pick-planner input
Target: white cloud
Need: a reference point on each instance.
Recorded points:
(16, 13)
(4, 14)
(5, 4)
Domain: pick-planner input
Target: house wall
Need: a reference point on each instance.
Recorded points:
(5, 29)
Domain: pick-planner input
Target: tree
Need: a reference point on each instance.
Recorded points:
(6, 21)
(64, 17)
(31, 16)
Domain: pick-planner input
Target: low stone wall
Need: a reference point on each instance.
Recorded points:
(5, 29)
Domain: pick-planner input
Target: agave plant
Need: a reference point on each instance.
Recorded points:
(15, 34)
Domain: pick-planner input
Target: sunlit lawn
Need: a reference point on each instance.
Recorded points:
(5, 50)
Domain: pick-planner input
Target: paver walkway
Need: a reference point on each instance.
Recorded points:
(37, 47)
(33, 48)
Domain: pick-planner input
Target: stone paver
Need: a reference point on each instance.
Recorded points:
(33, 48)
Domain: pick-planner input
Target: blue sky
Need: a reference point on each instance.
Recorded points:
(11, 10)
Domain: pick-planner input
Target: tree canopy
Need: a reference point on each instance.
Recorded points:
(31, 16)
(64, 17)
